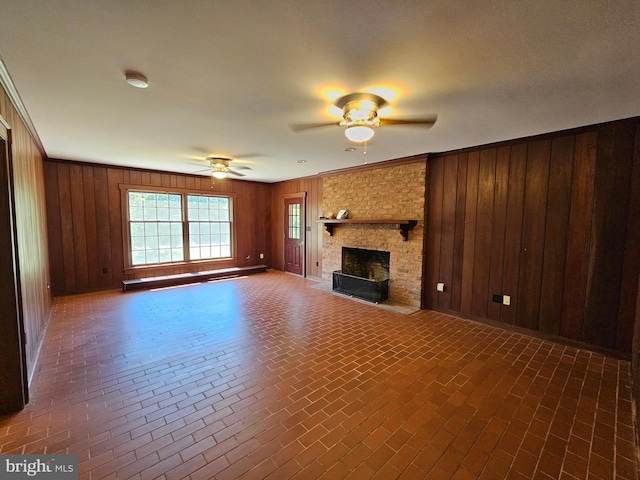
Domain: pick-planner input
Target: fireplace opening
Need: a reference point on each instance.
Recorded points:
(364, 274)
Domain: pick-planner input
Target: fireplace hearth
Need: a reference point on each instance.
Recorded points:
(364, 274)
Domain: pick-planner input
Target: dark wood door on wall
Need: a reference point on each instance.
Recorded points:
(293, 235)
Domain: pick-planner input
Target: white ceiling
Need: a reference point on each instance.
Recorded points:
(227, 77)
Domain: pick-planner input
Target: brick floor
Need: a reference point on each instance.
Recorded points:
(265, 377)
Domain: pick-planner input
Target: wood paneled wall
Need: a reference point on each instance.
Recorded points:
(551, 221)
(85, 222)
(311, 187)
(635, 364)
(30, 226)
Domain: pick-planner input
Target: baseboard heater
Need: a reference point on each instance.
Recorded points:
(371, 290)
(184, 278)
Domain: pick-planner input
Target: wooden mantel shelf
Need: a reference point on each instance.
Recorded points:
(403, 225)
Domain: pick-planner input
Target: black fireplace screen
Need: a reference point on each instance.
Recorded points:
(364, 274)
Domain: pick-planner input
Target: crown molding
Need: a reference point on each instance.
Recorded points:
(14, 97)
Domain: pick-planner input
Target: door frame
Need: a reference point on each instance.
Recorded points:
(16, 383)
(303, 226)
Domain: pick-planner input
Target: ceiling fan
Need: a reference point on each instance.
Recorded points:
(220, 167)
(360, 115)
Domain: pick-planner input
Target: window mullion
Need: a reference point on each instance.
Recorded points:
(185, 228)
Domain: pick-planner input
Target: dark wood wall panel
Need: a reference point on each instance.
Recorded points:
(627, 315)
(31, 230)
(103, 228)
(577, 265)
(499, 226)
(66, 226)
(552, 221)
(448, 193)
(115, 177)
(458, 239)
(532, 245)
(513, 229)
(484, 231)
(314, 234)
(79, 212)
(556, 232)
(470, 230)
(93, 266)
(85, 224)
(614, 166)
(54, 223)
(435, 191)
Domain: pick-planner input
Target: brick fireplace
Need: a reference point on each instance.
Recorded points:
(386, 192)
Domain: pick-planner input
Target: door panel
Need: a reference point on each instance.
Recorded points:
(293, 235)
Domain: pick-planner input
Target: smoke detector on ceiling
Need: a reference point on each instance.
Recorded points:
(136, 79)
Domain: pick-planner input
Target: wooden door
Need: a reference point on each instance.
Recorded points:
(293, 235)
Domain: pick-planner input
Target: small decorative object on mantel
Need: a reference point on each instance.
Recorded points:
(342, 214)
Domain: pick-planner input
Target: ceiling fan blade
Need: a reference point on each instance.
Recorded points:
(428, 121)
(236, 173)
(299, 127)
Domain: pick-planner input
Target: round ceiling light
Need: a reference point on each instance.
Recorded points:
(359, 133)
(136, 79)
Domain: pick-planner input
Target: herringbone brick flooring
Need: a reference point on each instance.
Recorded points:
(266, 377)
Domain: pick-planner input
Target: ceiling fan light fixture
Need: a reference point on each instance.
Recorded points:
(219, 167)
(359, 133)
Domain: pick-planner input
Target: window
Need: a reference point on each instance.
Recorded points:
(176, 227)
(209, 227)
(294, 221)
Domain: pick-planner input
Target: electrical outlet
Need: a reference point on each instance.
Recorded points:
(261, 256)
(506, 300)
